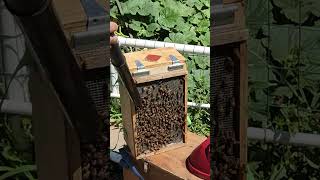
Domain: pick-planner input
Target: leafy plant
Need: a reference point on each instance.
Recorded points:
(283, 85)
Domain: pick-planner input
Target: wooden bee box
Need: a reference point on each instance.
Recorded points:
(160, 124)
(228, 22)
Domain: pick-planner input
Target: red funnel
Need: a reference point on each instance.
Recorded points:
(198, 163)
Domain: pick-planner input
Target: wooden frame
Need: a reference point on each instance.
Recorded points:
(236, 35)
(52, 133)
(158, 71)
(169, 165)
(238, 21)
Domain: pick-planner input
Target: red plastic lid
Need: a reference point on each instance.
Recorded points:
(198, 163)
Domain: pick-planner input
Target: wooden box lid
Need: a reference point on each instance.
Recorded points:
(163, 61)
(159, 69)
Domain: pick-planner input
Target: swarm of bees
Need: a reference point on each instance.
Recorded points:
(160, 120)
(225, 145)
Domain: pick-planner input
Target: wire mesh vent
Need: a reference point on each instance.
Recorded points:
(94, 156)
(225, 117)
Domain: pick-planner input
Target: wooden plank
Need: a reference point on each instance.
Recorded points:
(52, 135)
(243, 108)
(185, 139)
(238, 23)
(231, 1)
(169, 165)
(229, 37)
(70, 12)
(157, 74)
(127, 117)
(163, 149)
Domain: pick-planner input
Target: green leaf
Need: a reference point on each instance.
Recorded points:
(203, 26)
(18, 170)
(195, 19)
(283, 91)
(130, 7)
(191, 84)
(136, 25)
(257, 12)
(202, 62)
(206, 2)
(153, 27)
(292, 9)
(311, 164)
(145, 7)
(205, 39)
(5, 168)
(189, 120)
(279, 172)
(167, 18)
(282, 40)
(9, 155)
(177, 38)
(182, 10)
(190, 35)
(250, 175)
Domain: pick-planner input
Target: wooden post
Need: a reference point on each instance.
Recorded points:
(243, 108)
(57, 146)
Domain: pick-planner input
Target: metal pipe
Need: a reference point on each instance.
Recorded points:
(283, 137)
(184, 48)
(253, 133)
(190, 104)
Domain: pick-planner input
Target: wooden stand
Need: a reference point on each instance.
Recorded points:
(169, 165)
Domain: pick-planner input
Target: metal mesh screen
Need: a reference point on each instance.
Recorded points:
(225, 114)
(161, 120)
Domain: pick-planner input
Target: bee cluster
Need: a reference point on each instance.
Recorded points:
(226, 162)
(225, 132)
(160, 120)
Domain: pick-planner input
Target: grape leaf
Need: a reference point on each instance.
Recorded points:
(167, 18)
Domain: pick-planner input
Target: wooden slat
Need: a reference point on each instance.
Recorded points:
(229, 37)
(231, 33)
(243, 108)
(127, 117)
(231, 1)
(169, 165)
(56, 144)
(70, 11)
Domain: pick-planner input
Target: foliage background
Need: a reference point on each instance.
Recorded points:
(284, 75)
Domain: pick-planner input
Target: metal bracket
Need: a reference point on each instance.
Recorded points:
(141, 71)
(97, 27)
(97, 16)
(175, 63)
(223, 14)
